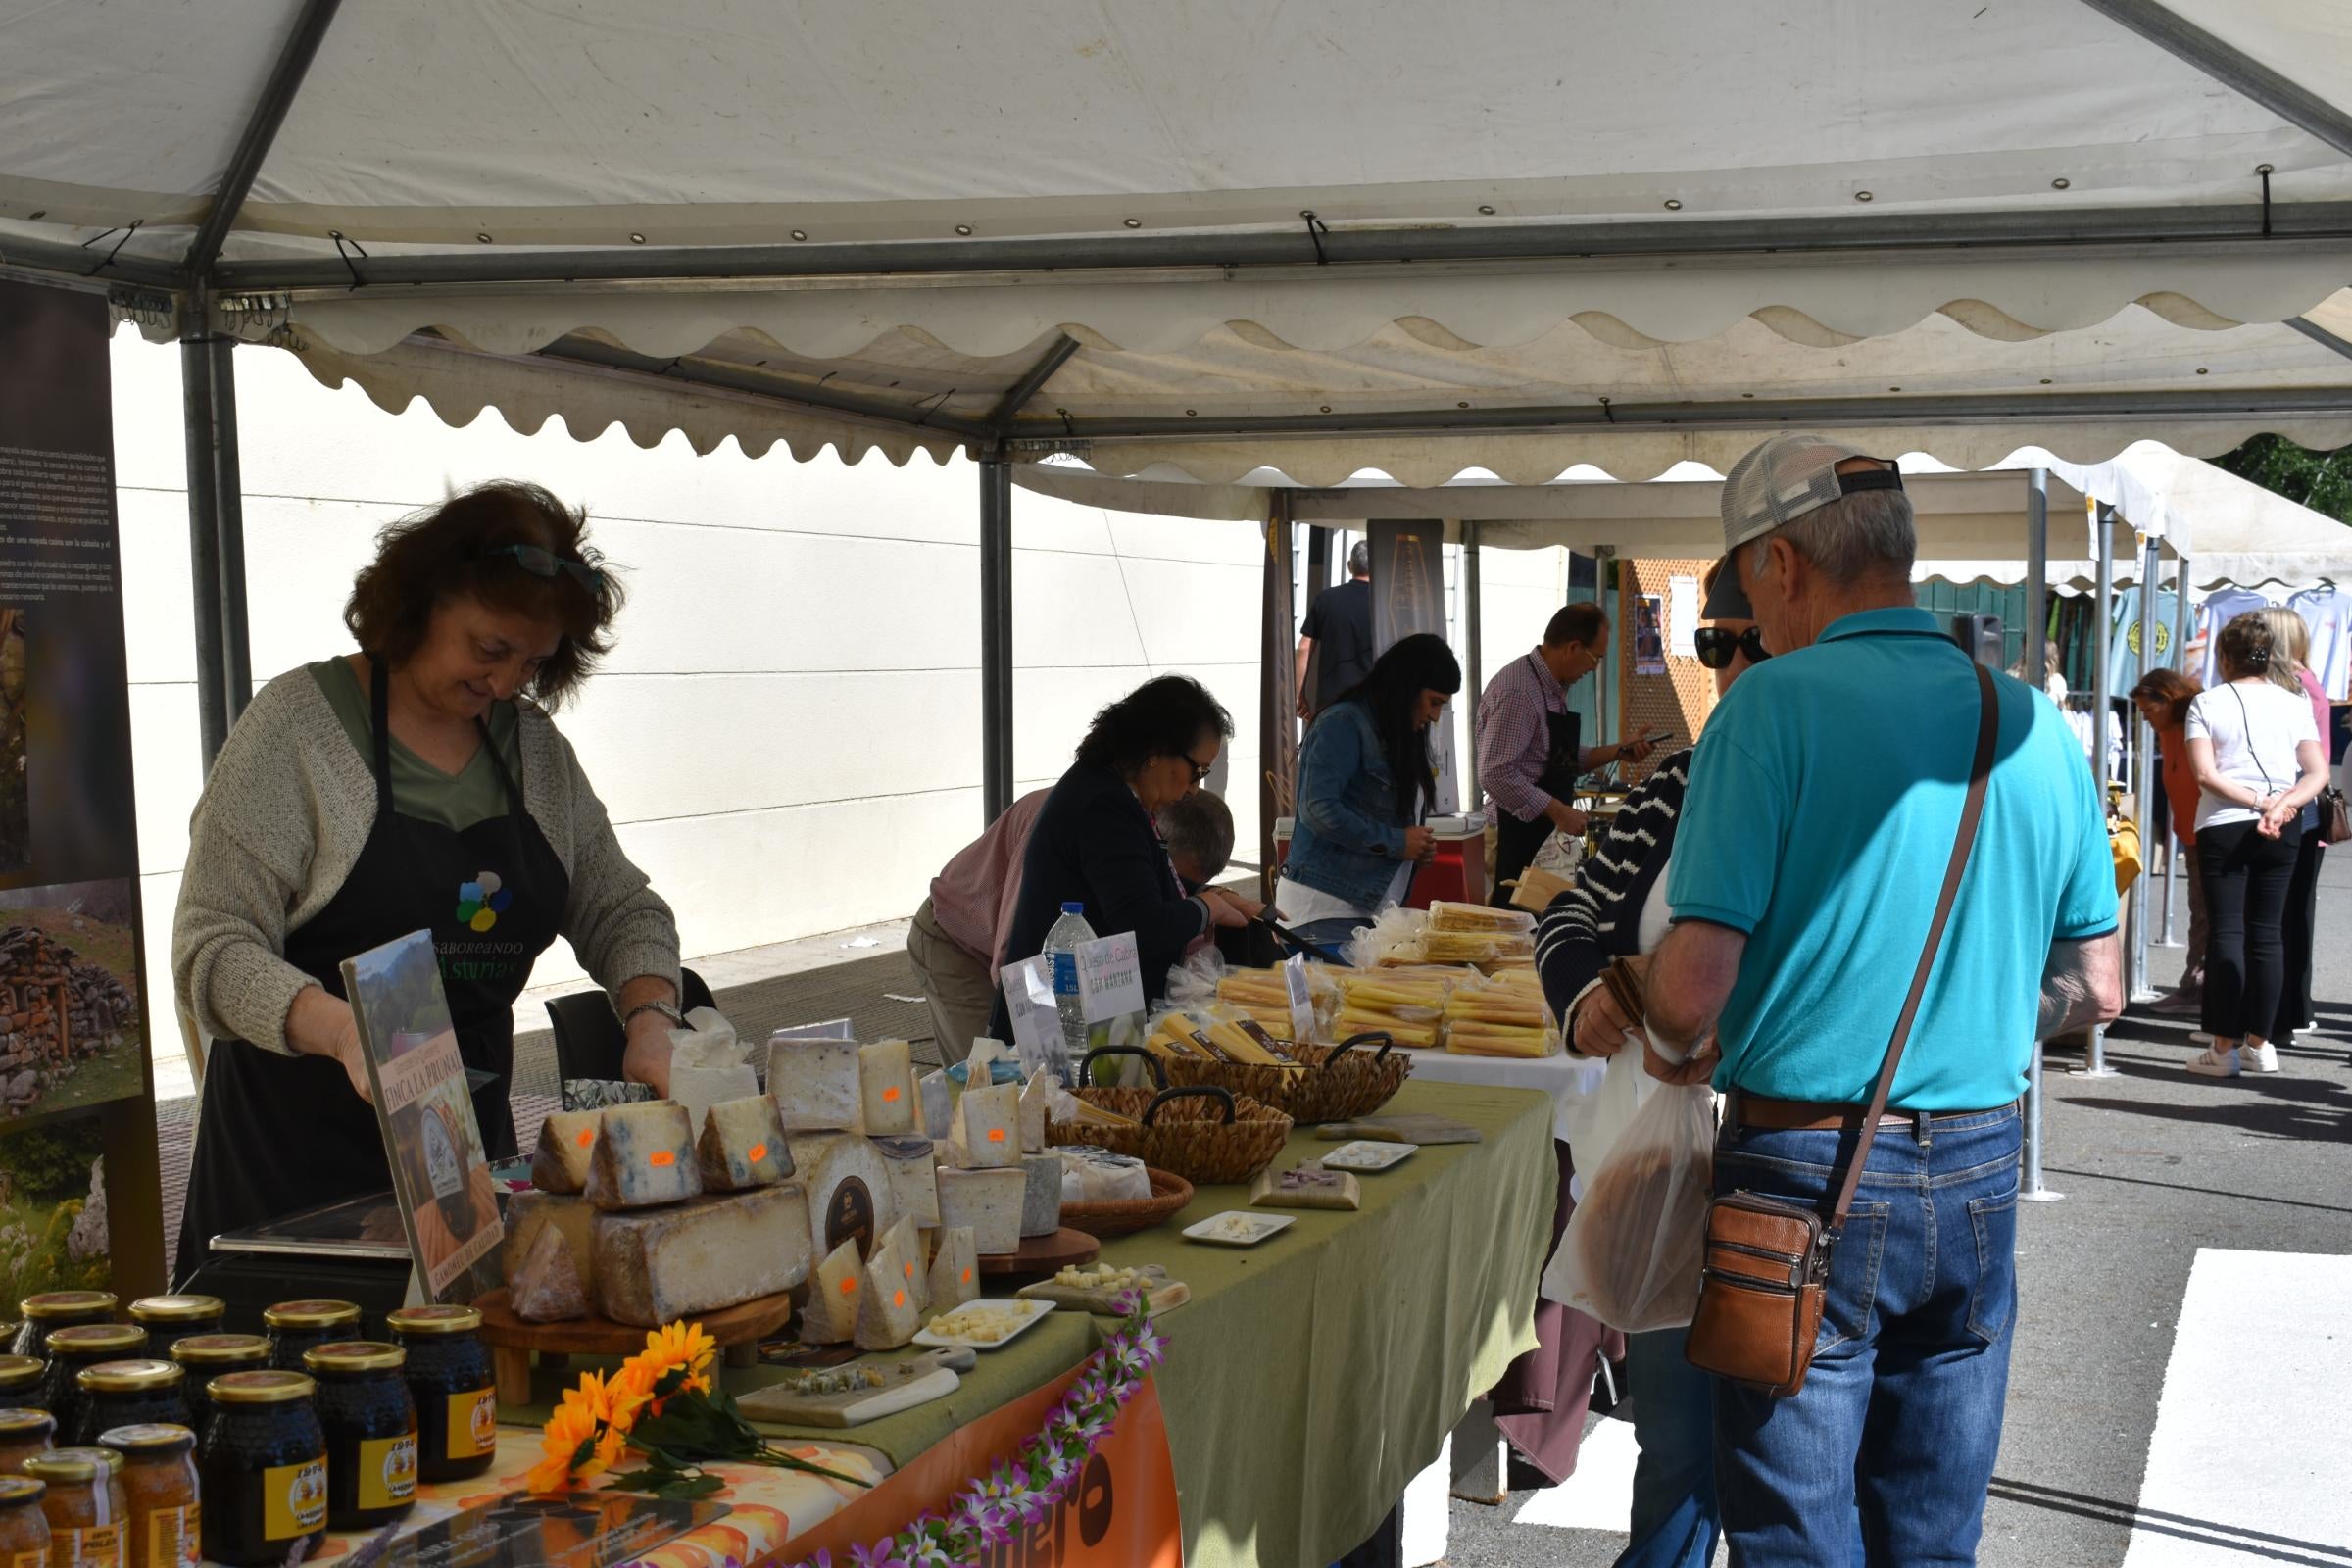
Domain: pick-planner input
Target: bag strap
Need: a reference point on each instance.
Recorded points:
(1979, 774)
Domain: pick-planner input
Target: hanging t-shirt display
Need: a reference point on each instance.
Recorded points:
(2327, 611)
(2218, 610)
(2122, 649)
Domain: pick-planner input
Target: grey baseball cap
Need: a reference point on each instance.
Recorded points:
(1789, 476)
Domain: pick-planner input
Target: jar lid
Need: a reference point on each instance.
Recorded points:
(17, 1491)
(73, 1464)
(18, 1371)
(214, 1350)
(129, 1377)
(67, 1303)
(176, 1308)
(149, 1439)
(354, 1355)
(311, 1314)
(260, 1387)
(102, 1340)
(23, 1423)
(435, 1320)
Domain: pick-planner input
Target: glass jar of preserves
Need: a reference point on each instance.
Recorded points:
(299, 1326)
(262, 1469)
(371, 1424)
(84, 1505)
(168, 1319)
(20, 1381)
(23, 1528)
(457, 1396)
(58, 1309)
(23, 1433)
(206, 1357)
(159, 1485)
(71, 1350)
(129, 1394)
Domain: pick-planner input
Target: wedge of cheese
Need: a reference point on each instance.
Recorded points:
(987, 1124)
(546, 1287)
(955, 1270)
(529, 1213)
(913, 1186)
(657, 1265)
(849, 1190)
(914, 1260)
(699, 1089)
(566, 1140)
(890, 1310)
(831, 1314)
(1041, 1195)
(988, 1202)
(938, 1097)
(814, 1085)
(1035, 1103)
(1093, 1175)
(742, 1146)
(644, 1156)
(886, 1089)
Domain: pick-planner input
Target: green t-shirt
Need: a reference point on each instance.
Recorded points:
(456, 800)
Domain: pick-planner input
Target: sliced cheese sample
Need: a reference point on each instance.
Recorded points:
(849, 1190)
(987, 1200)
(644, 1156)
(913, 1188)
(1041, 1195)
(545, 1287)
(529, 1213)
(890, 1310)
(988, 1125)
(743, 1146)
(814, 1085)
(566, 1140)
(831, 1315)
(886, 1089)
(659, 1266)
(1035, 1096)
(955, 1270)
(1093, 1175)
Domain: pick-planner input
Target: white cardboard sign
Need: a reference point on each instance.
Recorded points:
(1029, 998)
(1110, 977)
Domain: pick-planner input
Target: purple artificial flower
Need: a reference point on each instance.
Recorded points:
(881, 1554)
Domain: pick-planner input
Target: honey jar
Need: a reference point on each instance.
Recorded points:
(84, 1504)
(58, 1309)
(23, 1528)
(167, 1319)
(159, 1485)
(23, 1433)
(20, 1381)
(206, 1357)
(456, 1397)
(261, 1470)
(71, 1350)
(299, 1326)
(125, 1394)
(371, 1425)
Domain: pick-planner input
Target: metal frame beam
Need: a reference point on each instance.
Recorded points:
(1018, 396)
(83, 267)
(261, 131)
(2233, 67)
(709, 374)
(996, 635)
(2320, 335)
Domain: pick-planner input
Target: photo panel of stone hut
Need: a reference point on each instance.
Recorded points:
(70, 1015)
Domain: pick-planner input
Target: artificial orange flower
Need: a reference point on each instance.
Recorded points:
(682, 1345)
(572, 1427)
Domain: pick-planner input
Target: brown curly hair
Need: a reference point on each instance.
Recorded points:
(430, 557)
(2169, 687)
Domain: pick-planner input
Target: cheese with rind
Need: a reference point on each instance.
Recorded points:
(955, 1270)
(913, 1181)
(814, 1085)
(528, 1214)
(743, 1146)
(567, 1141)
(886, 1089)
(546, 1287)
(644, 1156)
(1095, 1175)
(831, 1314)
(850, 1192)
(1035, 1096)
(659, 1266)
(987, 1200)
(987, 1124)
(890, 1309)
(1041, 1195)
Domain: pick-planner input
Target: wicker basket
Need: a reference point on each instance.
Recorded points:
(1169, 1194)
(1338, 1083)
(1203, 1133)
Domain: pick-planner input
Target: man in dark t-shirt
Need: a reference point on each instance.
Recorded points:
(1339, 626)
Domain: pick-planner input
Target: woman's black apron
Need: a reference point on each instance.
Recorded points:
(1516, 840)
(278, 1134)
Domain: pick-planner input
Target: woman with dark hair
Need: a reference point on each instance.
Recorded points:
(418, 783)
(1367, 782)
(1095, 843)
(2163, 696)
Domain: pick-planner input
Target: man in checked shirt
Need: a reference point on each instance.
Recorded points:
(1530, 744)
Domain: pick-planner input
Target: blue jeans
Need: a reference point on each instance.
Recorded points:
(1900, 1418)
(1674, 1523)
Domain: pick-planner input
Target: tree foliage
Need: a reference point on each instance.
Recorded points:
(2320, 480)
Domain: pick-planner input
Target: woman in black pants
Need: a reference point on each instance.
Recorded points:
(2256, 753)
(2290, 648)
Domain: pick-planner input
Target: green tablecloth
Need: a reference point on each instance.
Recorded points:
(1313, 1375)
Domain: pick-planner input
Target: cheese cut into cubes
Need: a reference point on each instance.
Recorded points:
(1093, 1175)
(566, 1140)
(657, 1266)
(831, 1315)
(849, 1185)
(885, 1085)
(546, 1287)
(955, 1270)
(743, 1146)
(1033, 1112)
(1041, 1195)
(644, 1156)
(987, 1200)
(989, 1126)
(529, 1213)
(913, 1186)
(814, 1085)
(891, 1310)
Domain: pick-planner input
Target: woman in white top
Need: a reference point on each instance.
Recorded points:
(2256, 753)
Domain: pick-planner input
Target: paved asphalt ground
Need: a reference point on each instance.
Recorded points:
(2154, 1166)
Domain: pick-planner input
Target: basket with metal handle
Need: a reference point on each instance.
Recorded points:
(1203, 1133)
(1329, 1083)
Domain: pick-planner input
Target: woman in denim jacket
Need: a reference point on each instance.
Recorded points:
(1365, 784)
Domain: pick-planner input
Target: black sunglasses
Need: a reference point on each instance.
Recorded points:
(1715, 646)
(1201, 770)
(541, 562)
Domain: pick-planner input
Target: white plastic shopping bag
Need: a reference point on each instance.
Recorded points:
(1594, 1120)
(1632, 1252)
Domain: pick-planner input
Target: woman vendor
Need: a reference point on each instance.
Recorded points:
(417, 784)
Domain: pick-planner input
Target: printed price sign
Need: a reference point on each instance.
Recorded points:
(1029, 998)
(1110, 977)
(1303, 1003)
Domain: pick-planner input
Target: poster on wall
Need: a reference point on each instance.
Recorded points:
(81, 1201)
(1408, 595)
(1650, 634)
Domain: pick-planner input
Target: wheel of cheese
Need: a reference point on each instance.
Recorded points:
(850, 1195)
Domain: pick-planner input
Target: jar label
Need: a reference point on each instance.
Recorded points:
(28, 1559)
(388, 1470)
(90, 1547)
(293, 1499)
(174, 1537)
(472, 1424)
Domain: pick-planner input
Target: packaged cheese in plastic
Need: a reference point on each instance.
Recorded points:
(1445, 916)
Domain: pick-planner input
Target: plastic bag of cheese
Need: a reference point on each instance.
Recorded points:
(1632, 1253)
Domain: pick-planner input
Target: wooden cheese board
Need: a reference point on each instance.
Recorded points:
(903, 1385)
(512, 1339)
(1162, 1293)
(1043, 1255)
(1401, 1127)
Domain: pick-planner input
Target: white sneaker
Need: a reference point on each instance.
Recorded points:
(2264, 1060)
(2212, 1064)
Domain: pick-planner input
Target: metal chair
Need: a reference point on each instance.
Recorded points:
(589, 1041)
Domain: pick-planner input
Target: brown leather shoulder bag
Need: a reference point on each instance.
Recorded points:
(1767, 1261)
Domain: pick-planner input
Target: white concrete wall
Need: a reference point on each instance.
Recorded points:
(788, 733)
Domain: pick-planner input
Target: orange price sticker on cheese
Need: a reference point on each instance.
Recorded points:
(898, 1299)
(758, 1151)
(996, 1135)
(849, 1287)
(586, 1137)
(889, 1095)
(910, 1271)
(661, 1156)
(967, 1276)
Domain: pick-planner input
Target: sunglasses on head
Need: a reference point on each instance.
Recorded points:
(541, 562)
(1715, 646)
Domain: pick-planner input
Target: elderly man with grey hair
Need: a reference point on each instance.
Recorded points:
(1825, 806)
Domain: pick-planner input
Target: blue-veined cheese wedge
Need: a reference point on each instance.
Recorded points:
(742, 1146)
(644, 1156)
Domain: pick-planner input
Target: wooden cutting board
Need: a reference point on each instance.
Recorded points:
(1161, 1293)
(1344, 1192)
(905, 1384)
(1401, 1127)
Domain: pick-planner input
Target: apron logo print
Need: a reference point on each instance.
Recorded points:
(482, 901)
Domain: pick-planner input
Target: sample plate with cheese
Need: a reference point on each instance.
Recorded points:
(1366, 1155)
(982, 1325)
(1237, 1228)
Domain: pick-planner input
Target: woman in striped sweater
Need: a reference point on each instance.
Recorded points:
(1618, 910)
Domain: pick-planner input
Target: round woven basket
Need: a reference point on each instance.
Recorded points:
(1169, 1194)
(1337, 1083)
(1203, 1133)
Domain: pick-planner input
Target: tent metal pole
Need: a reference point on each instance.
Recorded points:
(2233, 67)
(260, 130)
(2102, 624)
(1278, 687)
(2143, 770)
(2177, 660)
(1474, 646)
(204, 543)
(2031, 1188)
(996, 635)
(229, 524)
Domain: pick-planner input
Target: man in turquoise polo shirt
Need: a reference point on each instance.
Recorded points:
(1822, 804)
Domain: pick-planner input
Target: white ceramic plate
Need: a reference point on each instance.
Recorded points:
(1367, 1153)
(1018, 1314)
(1250, 1229)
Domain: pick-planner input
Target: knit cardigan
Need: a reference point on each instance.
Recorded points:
(289, 808)
(1600, 917)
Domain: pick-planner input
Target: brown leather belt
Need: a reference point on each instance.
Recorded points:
(1816, 1115)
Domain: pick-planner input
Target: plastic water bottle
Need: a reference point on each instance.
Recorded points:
(1061, 956)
